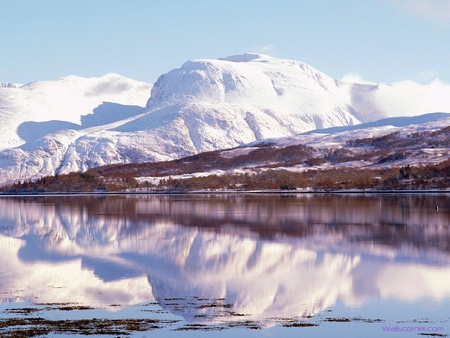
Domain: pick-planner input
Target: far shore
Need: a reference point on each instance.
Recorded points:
(225, 192)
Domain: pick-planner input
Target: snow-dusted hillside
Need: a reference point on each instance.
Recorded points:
(40, 120)
(30, 111)
(74, 123)
(242, 98)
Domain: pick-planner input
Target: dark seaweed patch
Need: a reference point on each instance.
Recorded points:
(340, 320)
(299, 324)
(31, 327)
(202, 327)
(23, 311)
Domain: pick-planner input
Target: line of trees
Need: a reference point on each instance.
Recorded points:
(405, 177)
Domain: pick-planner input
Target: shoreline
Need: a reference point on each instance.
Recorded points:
(226, 192)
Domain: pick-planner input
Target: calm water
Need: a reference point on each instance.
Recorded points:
(351, 264)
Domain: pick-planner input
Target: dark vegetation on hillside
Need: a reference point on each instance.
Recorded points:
(406, 177)
(269, 165)
(429, 177)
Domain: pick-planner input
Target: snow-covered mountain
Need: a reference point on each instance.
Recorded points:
(40, 120)
(74, 123)
(28, 112)
(213, 104)
(9, 85)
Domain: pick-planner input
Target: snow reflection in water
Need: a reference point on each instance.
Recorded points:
(220, 258)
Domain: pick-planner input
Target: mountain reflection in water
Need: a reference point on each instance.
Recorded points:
(262, 256)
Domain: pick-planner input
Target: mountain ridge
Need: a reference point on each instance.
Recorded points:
(74, 123)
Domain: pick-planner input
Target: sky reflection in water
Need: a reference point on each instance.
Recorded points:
(213, 259)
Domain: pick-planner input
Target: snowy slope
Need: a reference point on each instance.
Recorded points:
(73, 123)
(39, 120)
(39, 108)
(391, 142)
(270, 97)
(411, 136)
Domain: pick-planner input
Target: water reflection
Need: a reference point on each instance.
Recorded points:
(264, 257)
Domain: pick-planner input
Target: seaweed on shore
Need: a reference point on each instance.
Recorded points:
(32, 327)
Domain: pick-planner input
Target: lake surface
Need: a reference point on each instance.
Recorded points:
(300, 265)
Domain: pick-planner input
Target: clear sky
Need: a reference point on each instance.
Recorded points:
(378, 40)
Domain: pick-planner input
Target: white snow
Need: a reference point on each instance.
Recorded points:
(76, 123)
(67, 103)
(39, 121)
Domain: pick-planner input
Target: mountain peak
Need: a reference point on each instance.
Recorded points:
(252, 79)
(10, 85)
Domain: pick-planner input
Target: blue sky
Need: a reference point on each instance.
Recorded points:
(378, 40)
